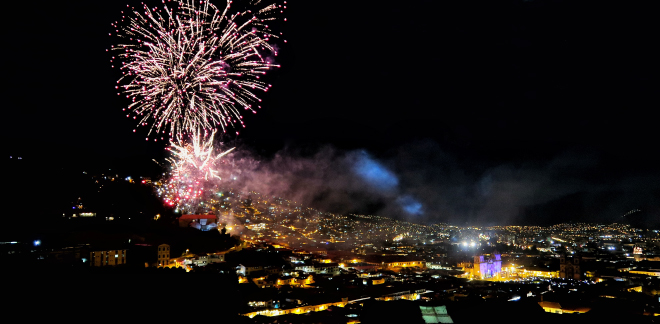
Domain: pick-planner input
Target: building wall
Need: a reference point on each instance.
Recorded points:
(330, 269)
(538, 274)
(305, 268)
(216, 258)
(487, 266)
(163, 255)
(243, 270)
(569, 268)
(420, 264)
(107, 258)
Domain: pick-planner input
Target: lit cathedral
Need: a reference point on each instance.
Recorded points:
(487, 266)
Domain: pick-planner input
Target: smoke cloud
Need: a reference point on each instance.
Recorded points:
(423, 183)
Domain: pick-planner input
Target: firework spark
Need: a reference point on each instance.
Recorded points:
(192, 65)
(195, 172)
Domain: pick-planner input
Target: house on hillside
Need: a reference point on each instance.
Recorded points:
(200, 222)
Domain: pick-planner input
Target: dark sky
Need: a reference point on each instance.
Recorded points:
(482, 111)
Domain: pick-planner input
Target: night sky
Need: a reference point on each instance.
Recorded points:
(468, 112)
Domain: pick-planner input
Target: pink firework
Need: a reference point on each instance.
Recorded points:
(191, 65)
(195, 171)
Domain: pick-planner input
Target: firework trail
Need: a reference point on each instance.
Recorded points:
(191, 65)
(195, 172)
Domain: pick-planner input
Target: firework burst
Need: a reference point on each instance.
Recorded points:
(195, 171)
(191, 65)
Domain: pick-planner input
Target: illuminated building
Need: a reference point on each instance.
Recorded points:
(327, 268)
(569, 268)
(304, 267)
(404, 264)
(374, 282)
(246, 268)
(319, 268)
(434, 266)
(359, 265)
(295, 282)
(163, 255)
(487, 266)
(537, 272)
(638, 253)
(107, 258)
(650, 272)
(277, 281)
(264, 282)
(302, 309)
(557, 308)
(204, 260)
(216, 257)
(200, 222)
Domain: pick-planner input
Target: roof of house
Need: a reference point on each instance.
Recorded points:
(565, 307)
